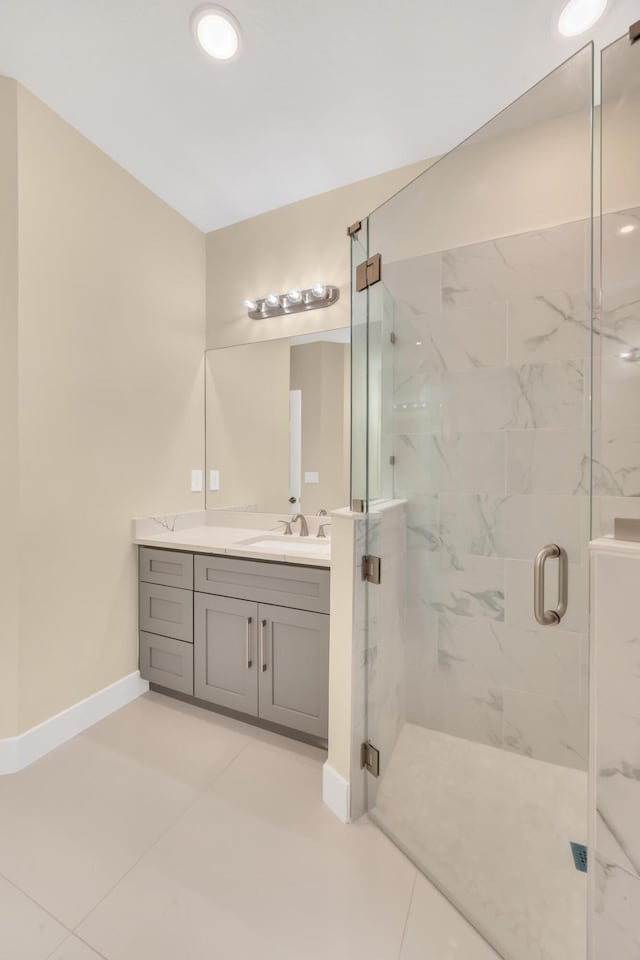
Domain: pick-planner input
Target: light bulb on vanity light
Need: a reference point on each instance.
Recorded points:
(294, 296)
(272, 300)
(319, 291)
(251, 305)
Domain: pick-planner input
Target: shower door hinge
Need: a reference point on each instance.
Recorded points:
(634, 32)
(369, 272)
(370, 759)
(392, 460)
(392, 337)
(371, 569)
(354, 228)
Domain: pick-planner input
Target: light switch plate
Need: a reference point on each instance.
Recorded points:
(312, 477)
(196, 481)
(214, 479)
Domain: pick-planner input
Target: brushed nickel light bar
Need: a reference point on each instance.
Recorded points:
(295, 301)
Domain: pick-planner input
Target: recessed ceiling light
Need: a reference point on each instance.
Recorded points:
(217, 31)
(580, 15)
(628, 228)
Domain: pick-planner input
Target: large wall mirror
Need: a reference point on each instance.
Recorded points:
(278, 424)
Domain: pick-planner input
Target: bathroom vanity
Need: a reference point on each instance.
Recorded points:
(237, 633)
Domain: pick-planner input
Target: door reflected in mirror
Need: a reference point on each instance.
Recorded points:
(278, 424)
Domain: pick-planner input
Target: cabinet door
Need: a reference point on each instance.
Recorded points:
(294, 668)
(225, 652)
(167, 662)
(167, 611)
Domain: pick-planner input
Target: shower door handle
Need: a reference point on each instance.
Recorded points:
(550, 617)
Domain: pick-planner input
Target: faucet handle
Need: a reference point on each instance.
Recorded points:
(322, 513)
(321, 532)
(288, 532)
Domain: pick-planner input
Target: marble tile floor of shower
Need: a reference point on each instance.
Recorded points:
(167, 831)
(494, 829)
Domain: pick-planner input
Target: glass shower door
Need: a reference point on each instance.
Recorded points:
(478, 392)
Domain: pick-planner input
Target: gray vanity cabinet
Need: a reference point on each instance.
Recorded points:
(167, 662)
(225, 652)
(294, 668)
(167, 611)
(166, 567)
(243, 635)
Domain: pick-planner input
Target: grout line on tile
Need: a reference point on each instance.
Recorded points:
(406, 919)
(198, 794)
(97, 952)
(66, 939)
(39, 906)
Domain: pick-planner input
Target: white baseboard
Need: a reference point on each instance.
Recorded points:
(336, 793)
(18, 752)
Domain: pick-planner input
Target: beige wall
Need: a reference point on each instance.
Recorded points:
(320, 372)
(248, 426)
(111, 287)
(9, 494)
(505, 183)
(293, 246)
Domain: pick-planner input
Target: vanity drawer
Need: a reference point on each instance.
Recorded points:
(166, 567)
(167, 611)
(303, 588)
(167, 662)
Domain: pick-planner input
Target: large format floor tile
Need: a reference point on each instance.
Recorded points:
(436, 931)
(74, 949)
(260, 868)
(73, 823)
(167, 832)
(26, 931)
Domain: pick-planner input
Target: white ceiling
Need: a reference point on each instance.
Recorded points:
(325, 92)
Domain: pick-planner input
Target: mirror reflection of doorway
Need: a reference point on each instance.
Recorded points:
(295, 450)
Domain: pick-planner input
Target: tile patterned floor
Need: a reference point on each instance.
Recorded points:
(170, 832)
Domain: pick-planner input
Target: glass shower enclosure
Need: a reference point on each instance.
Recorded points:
(472, 362)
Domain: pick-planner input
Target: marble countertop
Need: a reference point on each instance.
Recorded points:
(228, 538)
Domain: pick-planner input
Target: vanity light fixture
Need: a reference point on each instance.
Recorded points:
(628, 228)
(578, 16)
(295, 301)
(217, 32)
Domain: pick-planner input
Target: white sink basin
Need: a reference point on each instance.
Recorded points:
(289, 545)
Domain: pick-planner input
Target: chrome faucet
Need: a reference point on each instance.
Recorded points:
(304, 526)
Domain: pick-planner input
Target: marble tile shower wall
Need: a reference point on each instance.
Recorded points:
(617, 387)
(616, 751)
(491, 442)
